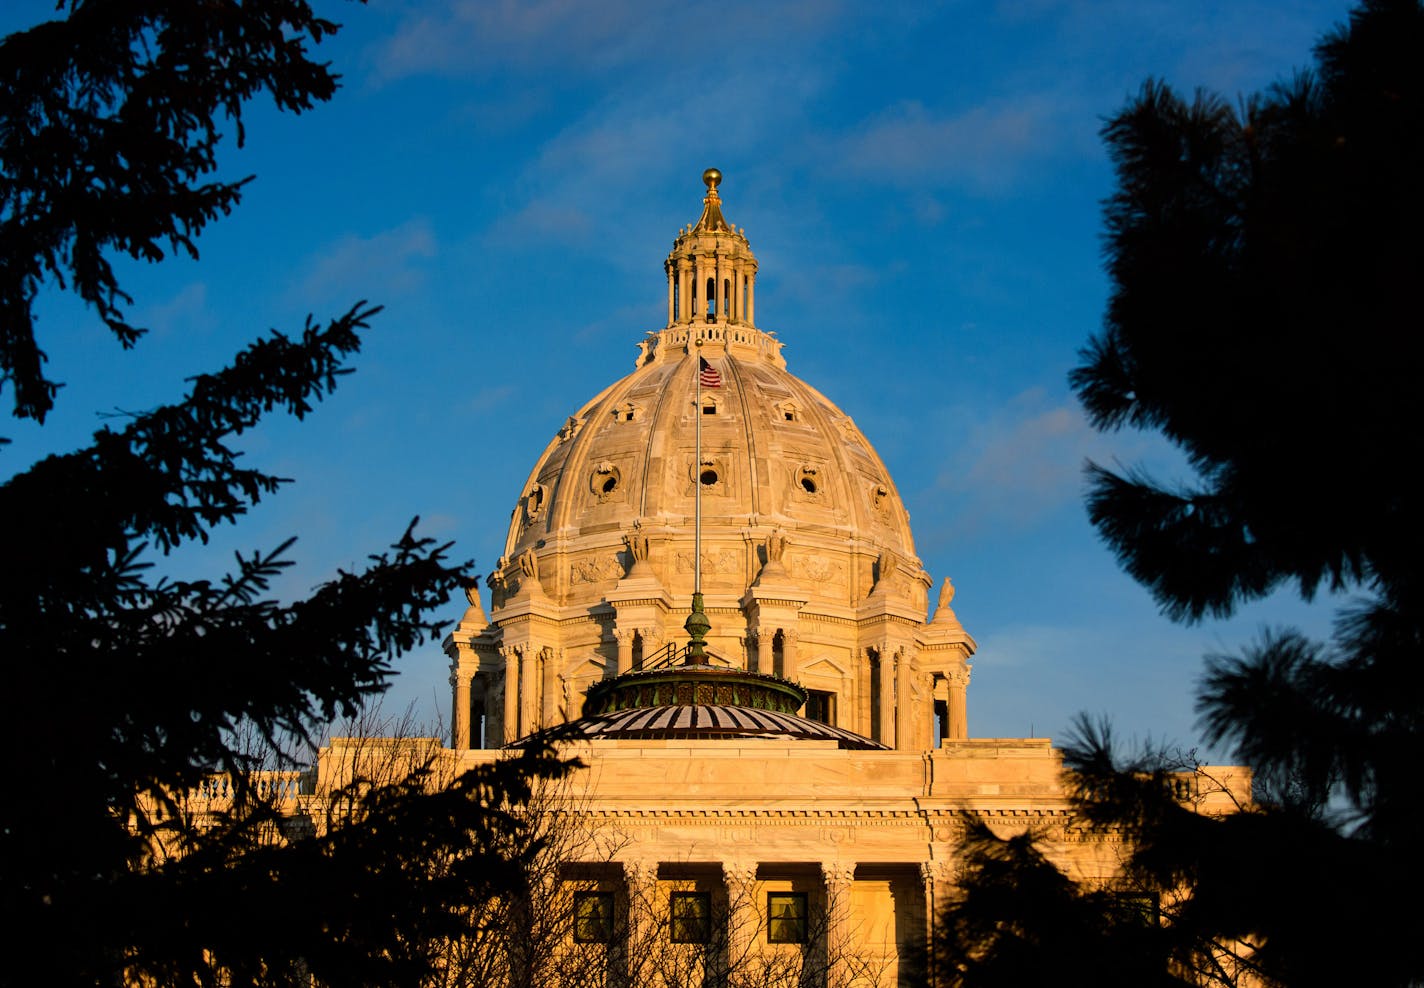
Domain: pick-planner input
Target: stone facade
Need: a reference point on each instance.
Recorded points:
(809, 573)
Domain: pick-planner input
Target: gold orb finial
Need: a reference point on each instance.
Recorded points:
(712, 178)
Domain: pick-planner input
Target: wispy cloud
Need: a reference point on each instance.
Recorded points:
(185, 312)
(571, 36)
(487, 399)
(1013, 469)
(633, 137)
(537, 222)
(986, 148)
(382, 265)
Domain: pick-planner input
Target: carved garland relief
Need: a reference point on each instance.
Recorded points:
(720, 561)
(815, 569)
(595, 569)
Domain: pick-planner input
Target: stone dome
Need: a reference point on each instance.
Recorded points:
(777, 456)
(807, 566)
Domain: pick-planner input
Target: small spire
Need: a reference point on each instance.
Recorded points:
(712, 220)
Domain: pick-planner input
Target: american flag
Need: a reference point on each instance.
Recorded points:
(708, 374)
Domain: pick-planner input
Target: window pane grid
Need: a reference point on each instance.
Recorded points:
(593, 917)
(691, 917)
(786, 917)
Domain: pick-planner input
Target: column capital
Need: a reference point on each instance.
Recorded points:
(739, 872)
(935, 872)
(837, 876)
(639, 872)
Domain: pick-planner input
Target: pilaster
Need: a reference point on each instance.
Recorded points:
(837, 877)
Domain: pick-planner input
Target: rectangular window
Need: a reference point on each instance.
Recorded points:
(691, 917)
(821, 706)
(786, 917)
(593, 917)
(1136, 908)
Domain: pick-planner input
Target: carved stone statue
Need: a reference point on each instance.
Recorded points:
(571, 428)
(497, 578)
(775, 546)
(529, 564)
(946, 593)
(534, 502)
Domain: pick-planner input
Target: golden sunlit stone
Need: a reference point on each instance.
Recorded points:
(809, 575)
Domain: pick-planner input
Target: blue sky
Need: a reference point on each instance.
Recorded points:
(920, 183)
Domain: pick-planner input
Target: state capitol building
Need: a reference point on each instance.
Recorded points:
(709, 593)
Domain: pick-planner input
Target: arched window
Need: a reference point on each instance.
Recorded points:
(711, 299)
(726, 296)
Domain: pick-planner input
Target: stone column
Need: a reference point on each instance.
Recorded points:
(717, 301)
(682, 300)
(766, 640)
(864, 691)
(789, 659)
(887, 696)
(958, 702)
(837, 877)
(528, 689)
(906, 735)
(511, 692)
(924, 712)
(672, 292)
(739, 880)
(652, 641)
(624, 662)
(460, 716)
(549, 663)
(734, 309)
(640, 883)
(937, 879)
(751, 302)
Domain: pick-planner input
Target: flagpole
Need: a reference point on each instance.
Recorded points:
(697, 624)
(697, 480)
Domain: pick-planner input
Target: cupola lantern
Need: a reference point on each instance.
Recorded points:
(711, 271)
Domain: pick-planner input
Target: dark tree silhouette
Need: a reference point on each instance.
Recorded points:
(127, 692)
(1265, 318)
(1023, 922)
(111, 120)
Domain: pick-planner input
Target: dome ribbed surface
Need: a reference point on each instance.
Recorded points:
(704, 722)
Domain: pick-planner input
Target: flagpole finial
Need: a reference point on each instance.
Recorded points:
(697, 625)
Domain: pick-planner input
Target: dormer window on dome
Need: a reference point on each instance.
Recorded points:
(711, 271)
